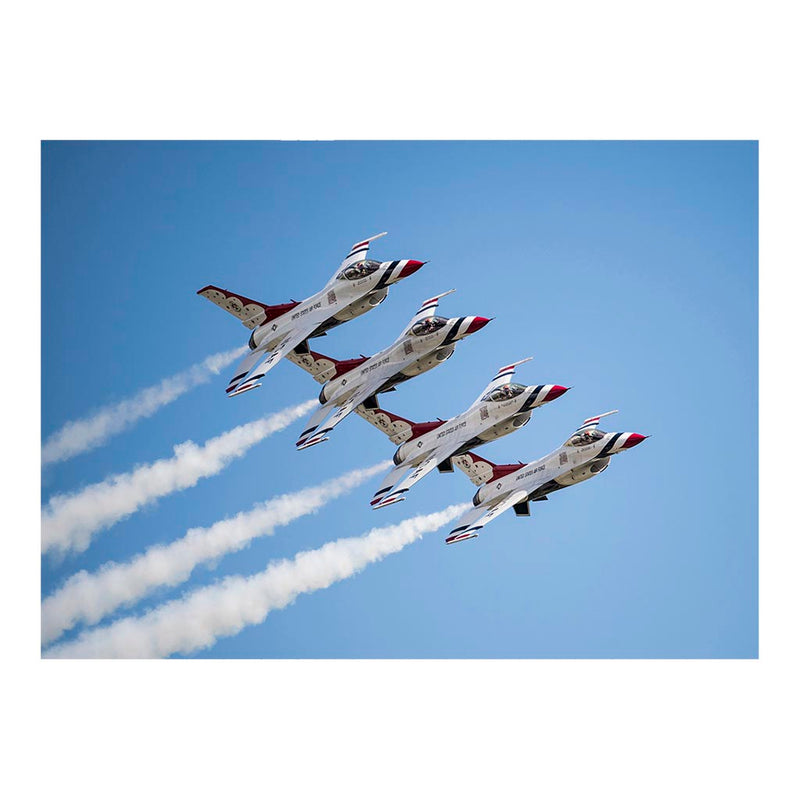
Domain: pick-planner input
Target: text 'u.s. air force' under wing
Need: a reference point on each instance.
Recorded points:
(358, 286)
(426, 342)
(584, 455)
(502, 407)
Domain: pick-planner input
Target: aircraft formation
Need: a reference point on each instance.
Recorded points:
(427, 340)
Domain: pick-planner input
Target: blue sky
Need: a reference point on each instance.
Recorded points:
(627, 269)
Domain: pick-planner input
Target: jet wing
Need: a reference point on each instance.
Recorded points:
(320, 367)
(471, 523)
(251, 313)
(477, 469)
(397, 428)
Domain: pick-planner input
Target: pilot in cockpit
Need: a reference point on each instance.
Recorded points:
(587, 437)
(503, 393)
(429, 325)
(359, 270)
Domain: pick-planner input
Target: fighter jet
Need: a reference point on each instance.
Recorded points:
(502, 407)
(585, 454)
(356, 287)
(426, 342)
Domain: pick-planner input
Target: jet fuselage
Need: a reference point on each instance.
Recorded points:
(341, 300)
(409, 356)
(485, 421)
(565, 466)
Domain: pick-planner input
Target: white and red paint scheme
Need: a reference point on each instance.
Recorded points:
(358, 286)
(502, 486)
(501, 408)
(426, 341)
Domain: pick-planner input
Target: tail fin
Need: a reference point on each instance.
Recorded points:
(249, 312)
(481, 470)
(322, 368)
(397, 428)
(588, 426)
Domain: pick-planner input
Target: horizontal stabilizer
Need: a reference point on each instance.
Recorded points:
(259, 362)
(389, 501)
(460, 537)
(245, 387)
(315, 432)
(392, 492)
(311, 442)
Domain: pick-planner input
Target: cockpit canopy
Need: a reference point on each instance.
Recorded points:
(359, 270)
(503, 393)
(587, 437)
(429, 325)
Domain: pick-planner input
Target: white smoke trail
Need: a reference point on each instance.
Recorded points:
(85, 434)
(90, 597)
(69, 520)
(198, 619)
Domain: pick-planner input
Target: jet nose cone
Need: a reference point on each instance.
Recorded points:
(477, 323)
(632, 440)
(555, 392)
(411, 267)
